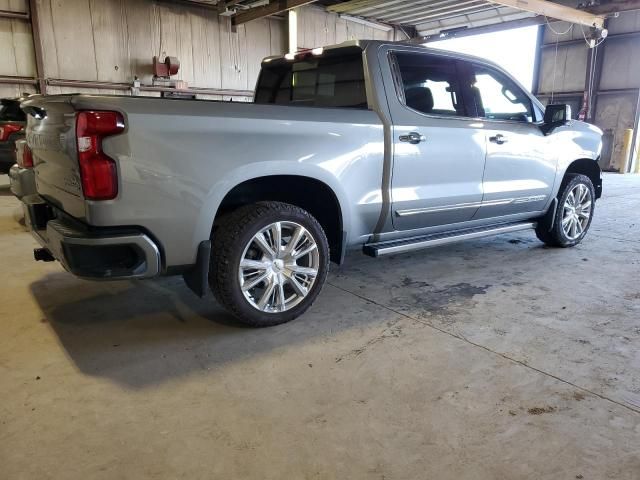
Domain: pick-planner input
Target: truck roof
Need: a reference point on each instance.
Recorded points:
(405, 45)
(364, 44)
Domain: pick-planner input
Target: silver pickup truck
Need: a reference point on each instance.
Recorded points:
(383, 147)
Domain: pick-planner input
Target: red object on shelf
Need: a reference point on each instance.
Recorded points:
(169, 67)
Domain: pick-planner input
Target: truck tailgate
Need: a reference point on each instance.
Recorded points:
(52, 139)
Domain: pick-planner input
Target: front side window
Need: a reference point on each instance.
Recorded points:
(429, 84)
(326, 81)
(497, 97)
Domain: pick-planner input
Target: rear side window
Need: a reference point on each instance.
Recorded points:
(325, 81)
(429, 84)
(10, 112)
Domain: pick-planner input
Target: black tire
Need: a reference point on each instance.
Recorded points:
(233, 233)
(556, 236)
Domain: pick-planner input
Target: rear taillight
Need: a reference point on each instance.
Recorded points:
(27, 158)
(97, 170)
(7, 129)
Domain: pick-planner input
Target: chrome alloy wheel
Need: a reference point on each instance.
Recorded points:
(278, 267)
(577, 211)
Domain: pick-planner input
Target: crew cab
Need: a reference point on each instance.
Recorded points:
(378, 146)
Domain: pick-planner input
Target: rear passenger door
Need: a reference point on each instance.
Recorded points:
(438, 151)
(520, 167)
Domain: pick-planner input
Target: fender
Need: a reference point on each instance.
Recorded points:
(222, 187)
(581, 141)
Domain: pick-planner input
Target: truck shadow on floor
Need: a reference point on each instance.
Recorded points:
(141, 333)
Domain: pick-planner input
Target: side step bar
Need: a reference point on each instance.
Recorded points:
(437, 239)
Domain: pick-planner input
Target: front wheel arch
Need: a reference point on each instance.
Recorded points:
(550, 228)
(588, 168)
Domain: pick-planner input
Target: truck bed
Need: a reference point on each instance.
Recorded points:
(177, 159)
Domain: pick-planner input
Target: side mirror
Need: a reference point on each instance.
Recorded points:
(555, 115)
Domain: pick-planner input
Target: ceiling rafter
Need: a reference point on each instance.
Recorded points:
(272, 8)
(555, 10)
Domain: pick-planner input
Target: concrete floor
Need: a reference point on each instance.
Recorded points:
(493, 359)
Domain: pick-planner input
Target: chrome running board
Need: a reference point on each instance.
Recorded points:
(437, 239)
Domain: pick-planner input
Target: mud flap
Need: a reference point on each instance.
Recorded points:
(197, 278)
(546, 223)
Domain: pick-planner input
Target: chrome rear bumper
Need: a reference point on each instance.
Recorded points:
(88, 254)
(22, 181)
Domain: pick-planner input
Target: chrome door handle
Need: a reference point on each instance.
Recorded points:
(413, 138)
(499, 139)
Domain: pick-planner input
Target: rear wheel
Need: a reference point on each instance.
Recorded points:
(576, 205)
(269, 263)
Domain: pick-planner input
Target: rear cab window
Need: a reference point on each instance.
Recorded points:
(334, 79)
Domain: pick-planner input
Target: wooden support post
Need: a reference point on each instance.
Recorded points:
(37, 47)
(293, 31)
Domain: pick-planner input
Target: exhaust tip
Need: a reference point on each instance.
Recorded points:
(42, 255)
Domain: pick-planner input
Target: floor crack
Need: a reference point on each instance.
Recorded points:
(477, 345)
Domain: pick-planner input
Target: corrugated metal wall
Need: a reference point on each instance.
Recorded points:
(616, 80)
(115, 40)
(16, 48)
(316, 28)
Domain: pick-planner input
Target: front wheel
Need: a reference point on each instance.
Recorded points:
(269, 262)
(576, 205)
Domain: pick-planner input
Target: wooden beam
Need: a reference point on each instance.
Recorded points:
(555, 10)
(15, 80)
(37, 46)
(494, 27)
(14, 15)
(276, 6)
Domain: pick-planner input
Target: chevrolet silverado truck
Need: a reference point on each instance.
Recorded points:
(378, 146)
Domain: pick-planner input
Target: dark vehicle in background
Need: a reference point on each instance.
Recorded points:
(12, 124)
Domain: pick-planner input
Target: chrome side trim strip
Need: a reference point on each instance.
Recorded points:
(536, 198)
(459, 206)
(398, 247)
(447, 208)
(419, 211)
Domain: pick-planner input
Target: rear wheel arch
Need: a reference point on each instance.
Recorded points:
(310, 194)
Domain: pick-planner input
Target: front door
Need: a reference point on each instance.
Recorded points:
(520, 166)
(439, 153)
